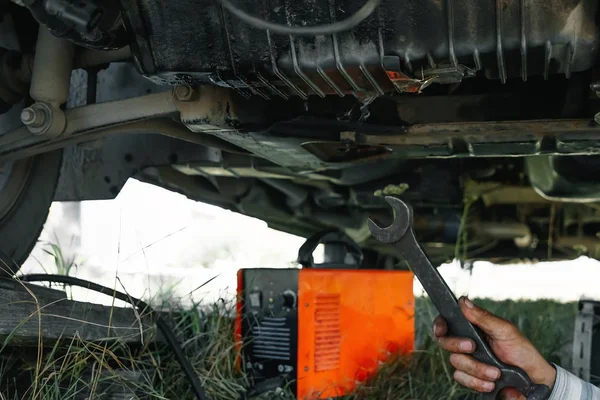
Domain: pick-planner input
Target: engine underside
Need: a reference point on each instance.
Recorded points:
(403, 46)
(479, 113)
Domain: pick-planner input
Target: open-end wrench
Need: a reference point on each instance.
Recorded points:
(401, 235)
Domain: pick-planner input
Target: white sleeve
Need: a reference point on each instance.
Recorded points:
(569, 387)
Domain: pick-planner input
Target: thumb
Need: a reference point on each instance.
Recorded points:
(489, 323)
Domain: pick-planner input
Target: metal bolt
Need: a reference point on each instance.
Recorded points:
(33, 117)
(27, 116)
(40, 118)
(183, 92)
(597, 118)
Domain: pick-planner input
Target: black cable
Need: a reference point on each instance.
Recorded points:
(142, 306)
(271, 384)
(316, 30)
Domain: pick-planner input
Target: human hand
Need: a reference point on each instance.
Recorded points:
(507, 343)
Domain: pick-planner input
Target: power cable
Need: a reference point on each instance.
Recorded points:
(164, 328)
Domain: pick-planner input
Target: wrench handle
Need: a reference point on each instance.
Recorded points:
(443, 298)
(446, 303)
(402, 236)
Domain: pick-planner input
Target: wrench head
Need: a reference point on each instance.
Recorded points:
(403, 219)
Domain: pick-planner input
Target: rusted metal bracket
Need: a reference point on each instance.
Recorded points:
(487, 139)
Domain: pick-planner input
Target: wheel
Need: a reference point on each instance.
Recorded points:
(26, 192)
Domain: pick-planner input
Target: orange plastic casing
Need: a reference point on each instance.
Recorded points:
(349, 322)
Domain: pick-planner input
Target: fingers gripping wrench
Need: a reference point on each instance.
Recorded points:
(401, 234)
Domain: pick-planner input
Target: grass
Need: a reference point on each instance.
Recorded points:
(428, 374)
(79, 370)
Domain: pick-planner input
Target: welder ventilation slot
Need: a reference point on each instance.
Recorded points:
(327, 332)
(271, 340)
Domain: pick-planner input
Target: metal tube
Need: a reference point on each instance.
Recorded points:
(52, 68)
(96, 120)
(519, 233)
(31, 146)
(93, 58)
(103, 115)
(502, 230)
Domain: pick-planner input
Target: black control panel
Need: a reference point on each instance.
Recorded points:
(270, 325)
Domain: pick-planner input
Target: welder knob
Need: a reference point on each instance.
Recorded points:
(289, 298)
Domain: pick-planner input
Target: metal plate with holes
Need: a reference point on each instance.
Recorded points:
(586, 342)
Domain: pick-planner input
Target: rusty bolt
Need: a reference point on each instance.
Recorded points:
(33, 117)
(183, 92)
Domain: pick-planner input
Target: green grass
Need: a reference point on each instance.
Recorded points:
(77, 370)
(428, 374)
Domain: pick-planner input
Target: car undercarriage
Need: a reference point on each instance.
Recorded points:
(481, 114)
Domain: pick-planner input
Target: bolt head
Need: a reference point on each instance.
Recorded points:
(28, 116)
(183, 92)
(37, 118)
(33, 116)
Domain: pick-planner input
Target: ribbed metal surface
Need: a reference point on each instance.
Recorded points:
(503, 39)
(328, 334)
(271, 340)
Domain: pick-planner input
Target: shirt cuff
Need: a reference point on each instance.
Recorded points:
(565, 384)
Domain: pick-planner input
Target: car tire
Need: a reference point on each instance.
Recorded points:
(22, 224)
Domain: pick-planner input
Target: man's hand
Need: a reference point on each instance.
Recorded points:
(507, 343)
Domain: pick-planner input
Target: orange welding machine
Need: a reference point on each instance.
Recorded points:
(321, 330)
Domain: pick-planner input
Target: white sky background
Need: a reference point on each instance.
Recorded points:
(152, 238)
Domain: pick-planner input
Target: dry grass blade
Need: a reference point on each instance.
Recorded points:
(75, 370)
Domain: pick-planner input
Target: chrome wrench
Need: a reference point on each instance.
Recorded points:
(402, 236)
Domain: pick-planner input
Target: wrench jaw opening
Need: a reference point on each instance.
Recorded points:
(403, 218)
(400, 233)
